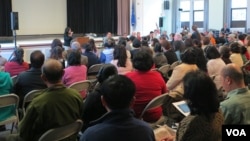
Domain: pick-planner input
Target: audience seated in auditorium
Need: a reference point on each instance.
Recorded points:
(89, 52)
(68, 36)
(119, 122)
(56, 106)
(235, 107)
(16, 65)
(106, 55)
(31, 79)
(149, 84)
(204, 123)
(93, 108)
(214, 65)
(74, 72)
(188, 58)
(235, 56)
(5, 88)
(121, 60)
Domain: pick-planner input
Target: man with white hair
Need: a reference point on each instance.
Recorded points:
(75, 45)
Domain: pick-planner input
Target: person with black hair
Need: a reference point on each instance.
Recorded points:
(31, 79)
(93, 100)
(188, 58)
(17, 64)
(136, 47)
(119, 122)
(121, 60)
(106, 54)
(142, 76)
(235, 56)
(214, 64)
(92, 57)
(67, 36)
(204, 123)
(75, 71)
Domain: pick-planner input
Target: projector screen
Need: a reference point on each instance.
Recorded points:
(37, 17)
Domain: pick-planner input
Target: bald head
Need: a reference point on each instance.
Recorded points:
(52, 70)
(234, 72)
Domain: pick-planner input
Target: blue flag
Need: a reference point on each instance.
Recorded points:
(133, 17)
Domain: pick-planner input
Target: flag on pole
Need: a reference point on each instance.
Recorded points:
(133, 16)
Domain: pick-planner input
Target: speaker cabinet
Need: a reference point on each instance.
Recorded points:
(166, 5)
(14, 20)
(161, 22)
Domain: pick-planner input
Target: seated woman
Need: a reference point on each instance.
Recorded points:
(93, 108)
(188, 64)
(75, 72)
(214, 64)
(121, 61)
(149, 84)
(5, 88)
(17, 64)
(204, 123)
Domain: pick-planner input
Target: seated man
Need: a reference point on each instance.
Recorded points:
(119, 123)
(236, 105)
(56, 106)
(30, 79)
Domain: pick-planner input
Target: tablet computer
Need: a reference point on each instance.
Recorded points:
(182, 107)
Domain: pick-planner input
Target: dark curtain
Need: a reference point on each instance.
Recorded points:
(5, 10)
(92, 16)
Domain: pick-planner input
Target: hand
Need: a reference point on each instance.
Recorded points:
(169, 138)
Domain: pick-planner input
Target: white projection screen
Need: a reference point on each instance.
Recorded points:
(38, 17)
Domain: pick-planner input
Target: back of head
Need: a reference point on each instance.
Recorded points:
(110, 43)
(122, 40)
(75, 45)
(19, 52)
(178, 45)
(206, 40)
(224, 51)
(37, 59)
(201, 93)
(211, 52)
(118, 92)
(235, 47)
(136, 43)
(165, 44)
(88, 47)
(56, 42)
(74, 58)
(53, 71)
(189, 56)
(143, 61)
(56, 52)
(234, 72)
(105, 72)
